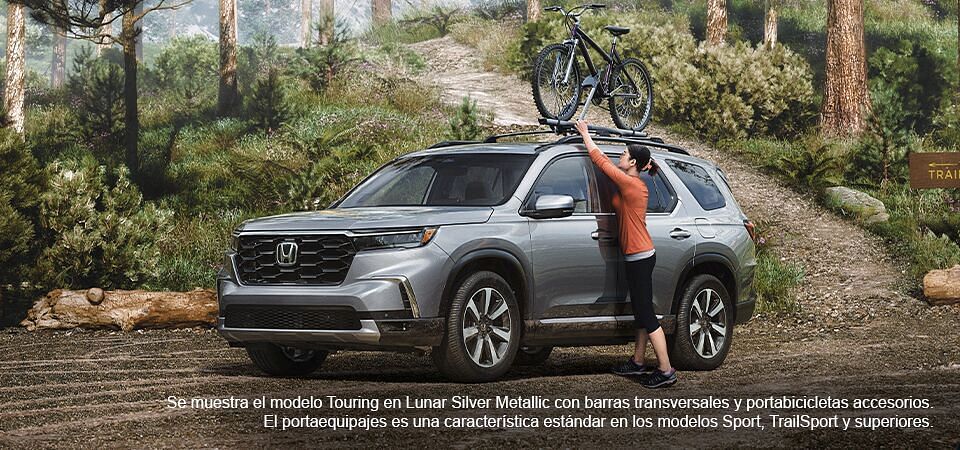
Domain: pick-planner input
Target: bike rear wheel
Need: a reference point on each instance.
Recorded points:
(556, 95)
(631, 95)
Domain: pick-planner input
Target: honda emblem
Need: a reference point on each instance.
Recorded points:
(287, 253)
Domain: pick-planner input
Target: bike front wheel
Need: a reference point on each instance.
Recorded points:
(631, 95)
(556, 82)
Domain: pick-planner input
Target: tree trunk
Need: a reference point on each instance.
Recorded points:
(533, 10)
(13, 87)
(137, 11)
(228, 97)
(105, 30)
(124, 310)
(327, 21)
(382, 13)
(770, 26)
(716, 22)
(58, 63)
(942, 287)
(846, 99)
(306, 23)
(131, 118)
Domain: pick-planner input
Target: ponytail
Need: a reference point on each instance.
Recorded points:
(653, 168)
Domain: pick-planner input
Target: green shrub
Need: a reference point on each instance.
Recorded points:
(192, 261)
(438, 18)
(319, 65)
(813, 164)
(21, 182)
(187, 68)
(915, 78)
(882, 153)
(501, 10)
(465, 124)
(267, 104)
(95, 87)
(100, 232)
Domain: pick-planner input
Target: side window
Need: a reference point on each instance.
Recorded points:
(699, 183)
(566, 176)
(660, 198)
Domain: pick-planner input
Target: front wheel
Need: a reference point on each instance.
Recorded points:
(555, 91)
(282, 360)
(704, 325)
(483, 330)
(631, 95)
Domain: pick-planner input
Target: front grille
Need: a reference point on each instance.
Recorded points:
(321, 260)
(291, 317)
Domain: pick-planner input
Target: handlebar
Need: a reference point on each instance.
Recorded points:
(576, 11)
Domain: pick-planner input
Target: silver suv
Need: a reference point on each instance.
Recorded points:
(490, 254)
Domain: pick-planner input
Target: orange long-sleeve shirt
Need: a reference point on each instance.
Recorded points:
(630, 204)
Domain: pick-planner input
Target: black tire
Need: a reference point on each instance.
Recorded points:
(453, 357)
(285, 361)
(551, 103)
(631, 77)
(532, 356)
(713, 347)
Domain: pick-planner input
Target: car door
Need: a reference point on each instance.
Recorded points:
(672, 232)
(574, 257)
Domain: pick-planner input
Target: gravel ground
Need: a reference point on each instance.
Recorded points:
(858, 335)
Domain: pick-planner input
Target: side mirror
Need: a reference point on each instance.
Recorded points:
(552, 206)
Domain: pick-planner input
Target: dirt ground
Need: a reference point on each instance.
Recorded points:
(858, 335)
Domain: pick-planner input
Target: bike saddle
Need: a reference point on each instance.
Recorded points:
(615, 30)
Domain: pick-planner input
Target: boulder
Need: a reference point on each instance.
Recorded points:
(942, 287)
(124, 310)
(866, 208)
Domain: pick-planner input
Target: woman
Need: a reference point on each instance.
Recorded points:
(638, 252)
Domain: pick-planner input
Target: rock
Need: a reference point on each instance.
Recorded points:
(942, 287)
(866, 208)
(123, 310)
(95, 296)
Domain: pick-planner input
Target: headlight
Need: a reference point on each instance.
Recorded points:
(399, 239)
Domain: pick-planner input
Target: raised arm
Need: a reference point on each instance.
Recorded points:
(602, 161)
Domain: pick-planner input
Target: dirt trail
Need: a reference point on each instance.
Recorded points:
(858, 336)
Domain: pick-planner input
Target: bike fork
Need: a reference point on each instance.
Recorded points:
(573, 53)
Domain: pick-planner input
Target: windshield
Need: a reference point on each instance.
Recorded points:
(442, 180)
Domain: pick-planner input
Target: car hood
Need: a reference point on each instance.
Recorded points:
(368, 218)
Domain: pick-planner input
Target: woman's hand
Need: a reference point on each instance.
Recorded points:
(583, 128)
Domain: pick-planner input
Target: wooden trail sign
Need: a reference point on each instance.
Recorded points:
(935, 170)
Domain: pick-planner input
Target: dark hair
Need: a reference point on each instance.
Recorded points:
(641, 154)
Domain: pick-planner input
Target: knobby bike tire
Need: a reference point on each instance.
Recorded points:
(564, 107)
(634, 115)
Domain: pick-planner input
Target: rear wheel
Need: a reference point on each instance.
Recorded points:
(556, 95)
(704, 325)
(284, 360)
(631, 95)
(483, 330)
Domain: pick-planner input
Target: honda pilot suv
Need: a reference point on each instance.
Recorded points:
(489, 254)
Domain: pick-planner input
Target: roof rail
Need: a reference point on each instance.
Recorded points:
(442, 144)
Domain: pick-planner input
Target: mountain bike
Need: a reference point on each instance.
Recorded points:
(624, 82)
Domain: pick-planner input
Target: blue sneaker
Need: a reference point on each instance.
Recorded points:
(659, 379)
(632, 368)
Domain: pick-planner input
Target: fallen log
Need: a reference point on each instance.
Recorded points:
(942, 287)
(124, 310)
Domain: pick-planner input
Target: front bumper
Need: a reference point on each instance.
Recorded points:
(372, 335)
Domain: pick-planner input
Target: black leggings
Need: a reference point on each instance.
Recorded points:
(640, 282)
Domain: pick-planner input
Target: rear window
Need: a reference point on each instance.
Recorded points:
(699, 183)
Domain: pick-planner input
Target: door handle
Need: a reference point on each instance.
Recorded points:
(679, 233)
